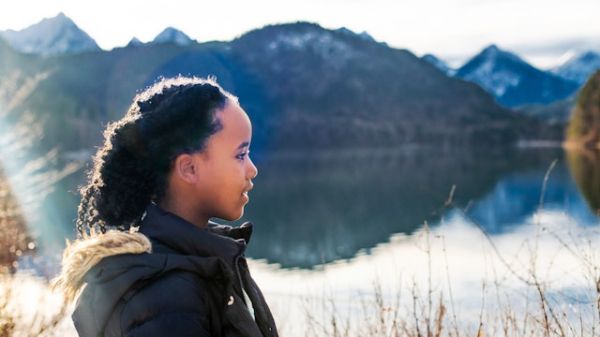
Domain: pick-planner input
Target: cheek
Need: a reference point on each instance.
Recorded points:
(227, 181)
(228, 184)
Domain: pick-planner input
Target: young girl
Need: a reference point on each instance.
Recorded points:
(149, 262)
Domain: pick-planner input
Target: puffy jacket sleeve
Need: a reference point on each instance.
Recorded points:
(174, 305)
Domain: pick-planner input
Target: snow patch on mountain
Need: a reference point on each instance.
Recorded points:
(495, 81)
(323, 43)
(491, 75)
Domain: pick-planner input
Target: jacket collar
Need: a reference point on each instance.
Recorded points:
(175, 232)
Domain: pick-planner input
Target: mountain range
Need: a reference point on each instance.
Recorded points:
(303, 86)
(511, 80)
(59, 35)
(517, 84)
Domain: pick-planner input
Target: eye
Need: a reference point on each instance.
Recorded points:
(242, 155)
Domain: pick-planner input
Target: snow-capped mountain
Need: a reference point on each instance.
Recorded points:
(438, 63)
(172, 35)
(513, 81)
(335, 48)
(580, 67)
(51, 36)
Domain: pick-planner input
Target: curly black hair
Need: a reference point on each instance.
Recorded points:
(172, 117)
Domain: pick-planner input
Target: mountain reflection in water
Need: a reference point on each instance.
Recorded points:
(585, 169)
(318, 208)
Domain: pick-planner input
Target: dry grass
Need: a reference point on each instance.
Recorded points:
(14, 239)
(28, 308)
(532, 310)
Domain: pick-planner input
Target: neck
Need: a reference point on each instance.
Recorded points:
(184, 210)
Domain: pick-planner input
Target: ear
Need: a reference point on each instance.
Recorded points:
(186, 168)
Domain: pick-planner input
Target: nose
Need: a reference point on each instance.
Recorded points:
(252, 170)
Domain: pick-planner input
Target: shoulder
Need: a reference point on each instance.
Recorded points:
(176, 303)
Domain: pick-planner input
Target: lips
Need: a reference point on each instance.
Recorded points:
(245, 193)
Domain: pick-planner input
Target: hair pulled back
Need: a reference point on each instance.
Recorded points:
(172, 117)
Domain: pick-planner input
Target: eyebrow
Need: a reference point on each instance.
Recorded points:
(243, 145)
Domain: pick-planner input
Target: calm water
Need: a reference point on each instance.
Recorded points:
(311, 210)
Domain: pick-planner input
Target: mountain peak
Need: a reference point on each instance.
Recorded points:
(134, 42)
(51, 36)
(173, 35)
(363, 35)
(493, 55)
(62, 16)
(438, 63)
(493, 48)
(503, 73)
(580, 67)
(493, 51)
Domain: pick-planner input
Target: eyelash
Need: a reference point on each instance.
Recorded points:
(242, 155)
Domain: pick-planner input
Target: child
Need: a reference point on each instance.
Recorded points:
(150, 263)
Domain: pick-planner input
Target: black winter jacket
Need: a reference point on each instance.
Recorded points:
(189, 285)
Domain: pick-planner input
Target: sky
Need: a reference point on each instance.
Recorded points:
(544, 32)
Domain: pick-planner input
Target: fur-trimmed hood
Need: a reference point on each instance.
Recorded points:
(82, 255)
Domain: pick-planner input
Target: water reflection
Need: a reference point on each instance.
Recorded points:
(312, 209)
(585, 168)
(517, 196)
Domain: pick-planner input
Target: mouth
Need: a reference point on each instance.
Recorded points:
(245, 197)
(245, 193)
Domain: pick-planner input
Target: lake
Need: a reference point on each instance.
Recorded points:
(472, 225)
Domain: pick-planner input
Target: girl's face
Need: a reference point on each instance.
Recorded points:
(225, 170)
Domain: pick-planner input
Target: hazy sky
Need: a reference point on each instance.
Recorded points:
(542, 31)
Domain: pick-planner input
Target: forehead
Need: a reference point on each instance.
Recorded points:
(236, 125)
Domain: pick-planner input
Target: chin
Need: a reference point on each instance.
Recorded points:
(233, 216)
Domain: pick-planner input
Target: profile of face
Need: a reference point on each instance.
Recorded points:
(216, 180)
